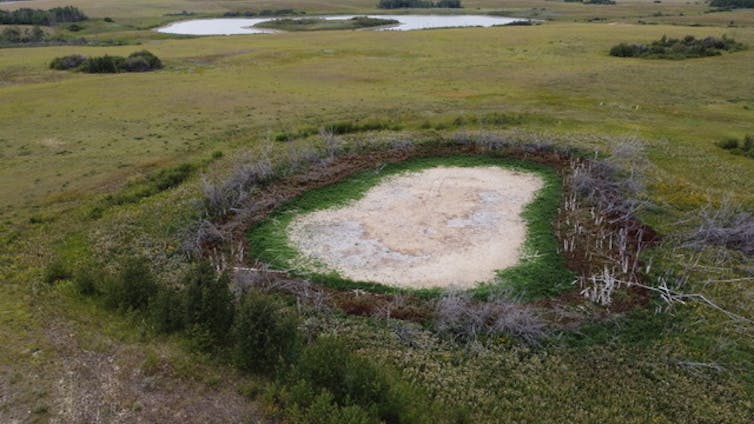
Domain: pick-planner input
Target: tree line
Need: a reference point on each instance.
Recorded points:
(56, 15)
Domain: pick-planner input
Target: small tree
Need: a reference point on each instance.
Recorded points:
(208, 302)
(134, 286)
(265, 335)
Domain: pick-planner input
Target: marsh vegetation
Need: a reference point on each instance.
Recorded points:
(318, 24)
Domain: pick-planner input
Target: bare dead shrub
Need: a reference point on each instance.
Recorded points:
(459, 317)
(333, 143)
(725, 226)
(202, 235)
(307, 294)
(224, 197)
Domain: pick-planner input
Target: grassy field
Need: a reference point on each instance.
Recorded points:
(70, 139)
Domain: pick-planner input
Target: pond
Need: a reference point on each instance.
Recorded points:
(407, 23)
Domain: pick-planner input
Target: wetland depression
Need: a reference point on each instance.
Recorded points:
(228, 26)
(438, 227)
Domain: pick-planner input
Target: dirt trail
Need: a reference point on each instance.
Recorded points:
(445, 226)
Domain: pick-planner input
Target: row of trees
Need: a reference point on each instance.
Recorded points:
(56, 15)
(418, 4)
(141, 61)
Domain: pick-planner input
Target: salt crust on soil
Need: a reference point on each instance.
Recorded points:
(440, 227)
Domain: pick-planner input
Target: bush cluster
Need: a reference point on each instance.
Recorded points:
(321, 382)
(743, 147)
(16, 35)
(419, 4)
(732, 4)
(678, 48)
(56, 15)
(141, 61)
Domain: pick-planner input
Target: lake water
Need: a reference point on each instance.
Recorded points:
(407, 23)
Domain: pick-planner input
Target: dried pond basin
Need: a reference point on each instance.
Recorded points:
(439, 227)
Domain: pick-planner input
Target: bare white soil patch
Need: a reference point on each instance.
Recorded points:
(444, 226)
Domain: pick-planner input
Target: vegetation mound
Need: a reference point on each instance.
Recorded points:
(419, 4)
(608, 2)
(676, 48)
(141, 61)
(319, 24)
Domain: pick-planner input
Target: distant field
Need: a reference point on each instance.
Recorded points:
(222, 91)
(669, 11)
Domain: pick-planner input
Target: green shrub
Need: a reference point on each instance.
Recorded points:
(167, 311)
(678, 48)
(56, 271)
(134, 286)
(743, 147)
(87, 278)
(728, 143)
(351, 379)
(141, 61)
(323, 410)
(265, 336)
(748, 143)
(103, 65)
(208, 302)
(66, 63)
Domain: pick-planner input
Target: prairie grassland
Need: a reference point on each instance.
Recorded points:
(67, 139)
(66, 134)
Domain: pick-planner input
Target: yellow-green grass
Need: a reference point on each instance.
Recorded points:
(67, 135)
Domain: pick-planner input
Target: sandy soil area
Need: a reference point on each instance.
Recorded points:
(444, 226)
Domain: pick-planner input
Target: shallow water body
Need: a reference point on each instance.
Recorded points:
(233, 26)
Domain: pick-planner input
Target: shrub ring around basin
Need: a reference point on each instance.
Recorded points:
(542, 272)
